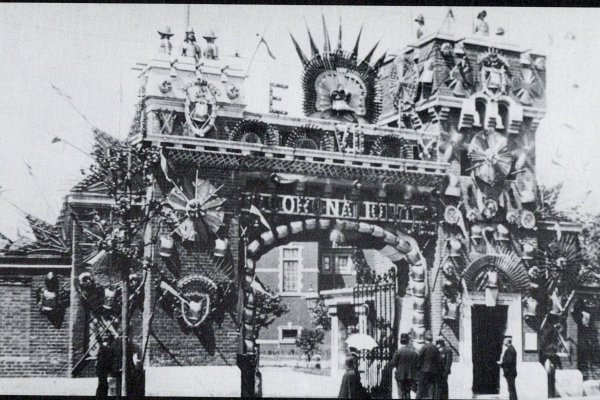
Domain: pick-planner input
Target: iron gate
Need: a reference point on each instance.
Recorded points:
(379, 298)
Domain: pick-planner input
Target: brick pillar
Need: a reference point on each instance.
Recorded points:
(77, 320)
(335, 338)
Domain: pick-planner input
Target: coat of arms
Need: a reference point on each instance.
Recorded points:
(494, 74)
(200, 105)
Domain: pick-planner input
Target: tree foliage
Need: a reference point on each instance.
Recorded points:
(320, 316)
(309, 341)
(268, 309)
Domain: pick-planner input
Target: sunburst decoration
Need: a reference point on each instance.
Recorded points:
(559, 264)
(512, 273)
(490, 156)
(527, 87)
(199, 209)
(391, 146)
(254, 131)
(311, 137)
(337, 85)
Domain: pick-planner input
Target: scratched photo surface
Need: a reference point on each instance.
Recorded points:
(282, 201)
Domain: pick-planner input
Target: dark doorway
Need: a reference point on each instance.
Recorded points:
(488, 326)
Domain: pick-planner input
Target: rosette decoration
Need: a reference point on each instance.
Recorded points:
(490, 157)
(254, 131)
(391, 146)
(201, 208)
(559, 264)
(311, 137)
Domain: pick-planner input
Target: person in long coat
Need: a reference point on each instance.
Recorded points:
(351, 387)
(446, 364)
(429, 365)
(508, 362)
(405, 362)
(104, 363)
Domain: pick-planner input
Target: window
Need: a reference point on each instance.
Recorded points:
(290, 274)
(337, 264)
(326, 264)
(288, 334)
(342, 264)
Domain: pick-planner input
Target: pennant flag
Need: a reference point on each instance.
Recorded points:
(263, 41)
(164, 165)
(256, 211)
(56, 139)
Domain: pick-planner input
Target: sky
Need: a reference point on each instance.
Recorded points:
(88, 51)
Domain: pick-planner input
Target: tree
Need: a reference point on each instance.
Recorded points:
(269, 307)
(309, 341)
(320, 316)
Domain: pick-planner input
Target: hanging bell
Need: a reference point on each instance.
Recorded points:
(166, 246)
(455, 246)
(501, 234)
(220, 248)
(453, 189)
(530, 307)
(527, 219)
(451, 215)
(419, 304)
(418, 289)
(451, 310)
(418, 272)
(528, 250)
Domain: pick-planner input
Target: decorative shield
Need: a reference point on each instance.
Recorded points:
(200, 108)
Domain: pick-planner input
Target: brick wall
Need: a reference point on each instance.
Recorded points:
(30, 345)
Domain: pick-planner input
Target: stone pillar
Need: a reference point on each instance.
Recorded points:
(335, 332)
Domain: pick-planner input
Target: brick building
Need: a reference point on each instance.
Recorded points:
(423, 158)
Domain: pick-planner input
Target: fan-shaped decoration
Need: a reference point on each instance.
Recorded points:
(338, 86)
(490, 157)
(254, 131)
(527, 87)
(197, 202)
(311, 137)
(391, 146)
(512, 275)
(559, 264)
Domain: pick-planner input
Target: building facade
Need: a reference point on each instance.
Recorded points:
(426, 157)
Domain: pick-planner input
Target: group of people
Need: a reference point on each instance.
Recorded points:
(108, 365)
(427, 369)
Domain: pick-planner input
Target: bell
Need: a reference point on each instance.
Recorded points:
(527, 219)
(451, 310)
(166, 246)
(419, 304)
(476, 233)
(451, 215)
(418, 318)
(455, 246)
(413, 255)
(528, 250)
(502, 234)
(220, 248)
(418, 289)
(418, 272)
(530, 307)
(453, 188)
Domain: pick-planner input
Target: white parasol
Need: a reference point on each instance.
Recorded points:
(361, 341)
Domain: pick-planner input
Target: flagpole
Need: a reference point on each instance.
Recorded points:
(255, 51)
(57, 139)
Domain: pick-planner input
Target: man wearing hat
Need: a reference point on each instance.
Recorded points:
(482, 27)
(446, 356)
(211, 51)
(508, 362)
(165, 39)
(420, 20)
(405, 362)
(429, 366)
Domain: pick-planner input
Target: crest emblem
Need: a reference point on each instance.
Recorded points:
(200, 106)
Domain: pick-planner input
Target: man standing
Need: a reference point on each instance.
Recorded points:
(446, 358)
(429, 365)
(508, 363)
(104, 363)
(405, 362)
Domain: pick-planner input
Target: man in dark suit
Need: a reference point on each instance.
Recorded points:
(405, 362)
(508, 362)
(429, 366)
(446, 356)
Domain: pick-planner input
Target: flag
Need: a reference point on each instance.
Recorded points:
(263, 41)
(256, 211)
(56, 139)
(164, 165)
